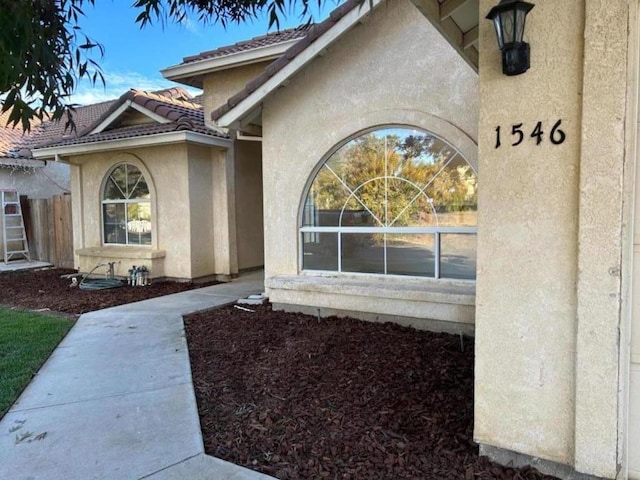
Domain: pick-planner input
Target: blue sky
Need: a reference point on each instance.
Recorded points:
(134, 57)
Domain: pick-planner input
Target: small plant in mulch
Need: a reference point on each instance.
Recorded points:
(298, 398)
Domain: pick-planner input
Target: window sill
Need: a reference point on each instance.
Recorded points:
(410, 289)
(437, 305)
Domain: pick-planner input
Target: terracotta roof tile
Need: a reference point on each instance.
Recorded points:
(312, 34)
(84, 117)
(257, 42)
(11, 137)
(177, 93)
(11, 140)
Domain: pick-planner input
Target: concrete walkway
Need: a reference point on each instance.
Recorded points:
(115, 400)
(17, 265)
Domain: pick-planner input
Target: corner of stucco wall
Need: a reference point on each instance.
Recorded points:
(603, 236)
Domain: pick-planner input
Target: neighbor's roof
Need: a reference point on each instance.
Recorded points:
(174, 105)
(12, 144)
(11, 137)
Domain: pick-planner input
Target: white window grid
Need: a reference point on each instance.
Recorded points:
(126, 200)
(437, 232)
(310, 233)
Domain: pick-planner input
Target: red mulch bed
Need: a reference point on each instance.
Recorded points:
(45, 289)
(298, 398)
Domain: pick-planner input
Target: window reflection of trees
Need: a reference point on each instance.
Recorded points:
(382, 200)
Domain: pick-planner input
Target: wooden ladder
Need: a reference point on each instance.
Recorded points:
(14, 236)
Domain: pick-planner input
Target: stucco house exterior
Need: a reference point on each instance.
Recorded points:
(153, 186)
(400, 175)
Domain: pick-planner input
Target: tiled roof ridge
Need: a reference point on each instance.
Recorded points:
(285, 35)
(144, 98)
(314, 32)
(173, 92)
(285, 31)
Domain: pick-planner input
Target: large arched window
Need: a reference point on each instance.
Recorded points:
(126, 207)
(394, 201)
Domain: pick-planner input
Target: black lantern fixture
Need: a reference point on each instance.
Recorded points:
(509, 17)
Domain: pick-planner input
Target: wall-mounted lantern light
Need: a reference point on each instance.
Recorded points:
(509, 17)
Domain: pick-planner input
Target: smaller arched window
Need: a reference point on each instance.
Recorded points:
(126, 207)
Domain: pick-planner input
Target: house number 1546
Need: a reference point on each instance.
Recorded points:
(556, 134)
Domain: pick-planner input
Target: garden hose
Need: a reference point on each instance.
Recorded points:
(100, 283)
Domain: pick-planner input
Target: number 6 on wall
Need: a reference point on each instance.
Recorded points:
(557, 136)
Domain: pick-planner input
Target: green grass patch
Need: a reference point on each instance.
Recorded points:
(26, 341)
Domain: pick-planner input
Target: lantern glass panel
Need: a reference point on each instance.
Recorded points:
(508, 25)
(520, 20)
(498, 26)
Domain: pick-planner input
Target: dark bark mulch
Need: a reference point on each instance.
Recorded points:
(45, 289)
(298, 398)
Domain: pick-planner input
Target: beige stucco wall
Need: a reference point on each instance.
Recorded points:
(182, 184)
(200, 208)
(393, 68)
(248, 178)
(551, 240)
(219, 86)
(603, 238)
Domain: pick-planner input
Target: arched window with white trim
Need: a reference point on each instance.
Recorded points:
(392, 201)
(126, 207)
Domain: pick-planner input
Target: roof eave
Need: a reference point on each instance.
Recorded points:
(135, 142)
(188, 72)
(442, 17)
(247, 107)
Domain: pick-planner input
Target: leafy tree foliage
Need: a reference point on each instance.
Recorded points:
(224, 12)
(397, 180)
(44, 53)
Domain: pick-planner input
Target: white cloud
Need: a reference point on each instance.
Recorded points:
(118, 83)
(193, 27)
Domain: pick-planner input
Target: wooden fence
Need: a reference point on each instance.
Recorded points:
(49, 229)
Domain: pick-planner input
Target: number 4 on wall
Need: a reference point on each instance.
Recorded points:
(556, 135)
